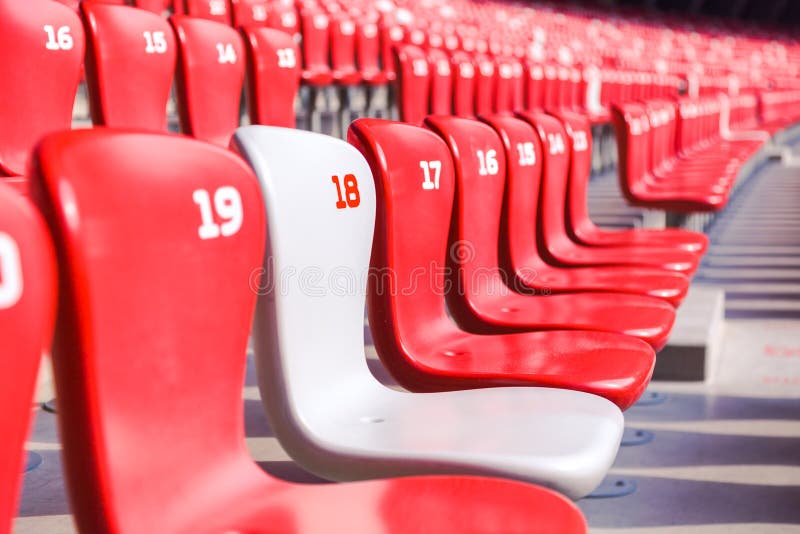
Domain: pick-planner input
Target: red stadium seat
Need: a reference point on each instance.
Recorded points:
(463, 84)
(518, 248)
(484, 85)
(44, 40)
(343, 50)
(555, 243)
(209, 78)
(27, 311)
(284, 17)
(483, 302)
(156, 6)
(273, 76)
(414, 84)
(415, 338)
(130, 59)
(315, 26)
(249, 12)
(216, 10)
(368, 50)
(580, 227)
(441, 82)
(150, 372)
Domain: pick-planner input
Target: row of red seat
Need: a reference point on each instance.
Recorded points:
(118, 414)
(685, 155)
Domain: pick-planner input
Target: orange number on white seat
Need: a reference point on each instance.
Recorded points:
(350, 197)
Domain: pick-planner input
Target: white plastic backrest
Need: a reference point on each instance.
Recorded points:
(309, 324)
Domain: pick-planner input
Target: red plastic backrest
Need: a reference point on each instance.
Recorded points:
(209, 78)
(27, 313)
(156, 6)
(343, 50)
(579, 137)
(284, 17)
(413, 76)
(151, 339)
(463, 84)
(216, 10)
(504, 86)
(485, 72)
(556, 152)
(633, 142)
(273, 76)
(130, 59)
(368, 49)
(249, 12)
(523, 153)
(43, 44)
(391, 36)
(409, 253)
(480, 167)
(316, 46)
(534, 94)
(441, 98)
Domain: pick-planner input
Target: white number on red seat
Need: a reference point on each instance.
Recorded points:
(431, 183)
(420, 67)
(227, 53)
(580, 142)
(155, 42)
(488, 162)
(527, 154)
(58, 39)
(228, 208)
(556, 142)
(286, 58)
(217, 7)
(10, 272)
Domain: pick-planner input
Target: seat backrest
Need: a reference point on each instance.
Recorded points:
(216, 10)
(534, 93)
(157, 238)
(556, 153)
(409, 253)
(209, 78)
(480, 169)
(309, 322)
(156, 6)
(273, 76)
(579, 136)
(368, 50)
(463, 84)
(249, 12)
(130, 59)
(43, 44)
(315, 26)
(485, 73)
(343, 49)
(632, 131)
(413, 76)
(391, 36)
(504, 86)
(441, 97)
(523, 154)
(27, 312)
(284, 17)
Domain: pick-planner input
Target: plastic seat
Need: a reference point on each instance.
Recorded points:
(518, 241)
(156, 6)
(249, 12)
(441, 82)
(273, 76)
(216, 10)
(555, 244)
(483, 302)
(580, 227)
(315, 26)
(413, 76)
(416, 339)
(44, 40)
(484, 85)
(209, 78)
(343, 50)
(167, 404)
(326, 408)
(130, 59)
(368, 50)
(463, 84)
(27, 313)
